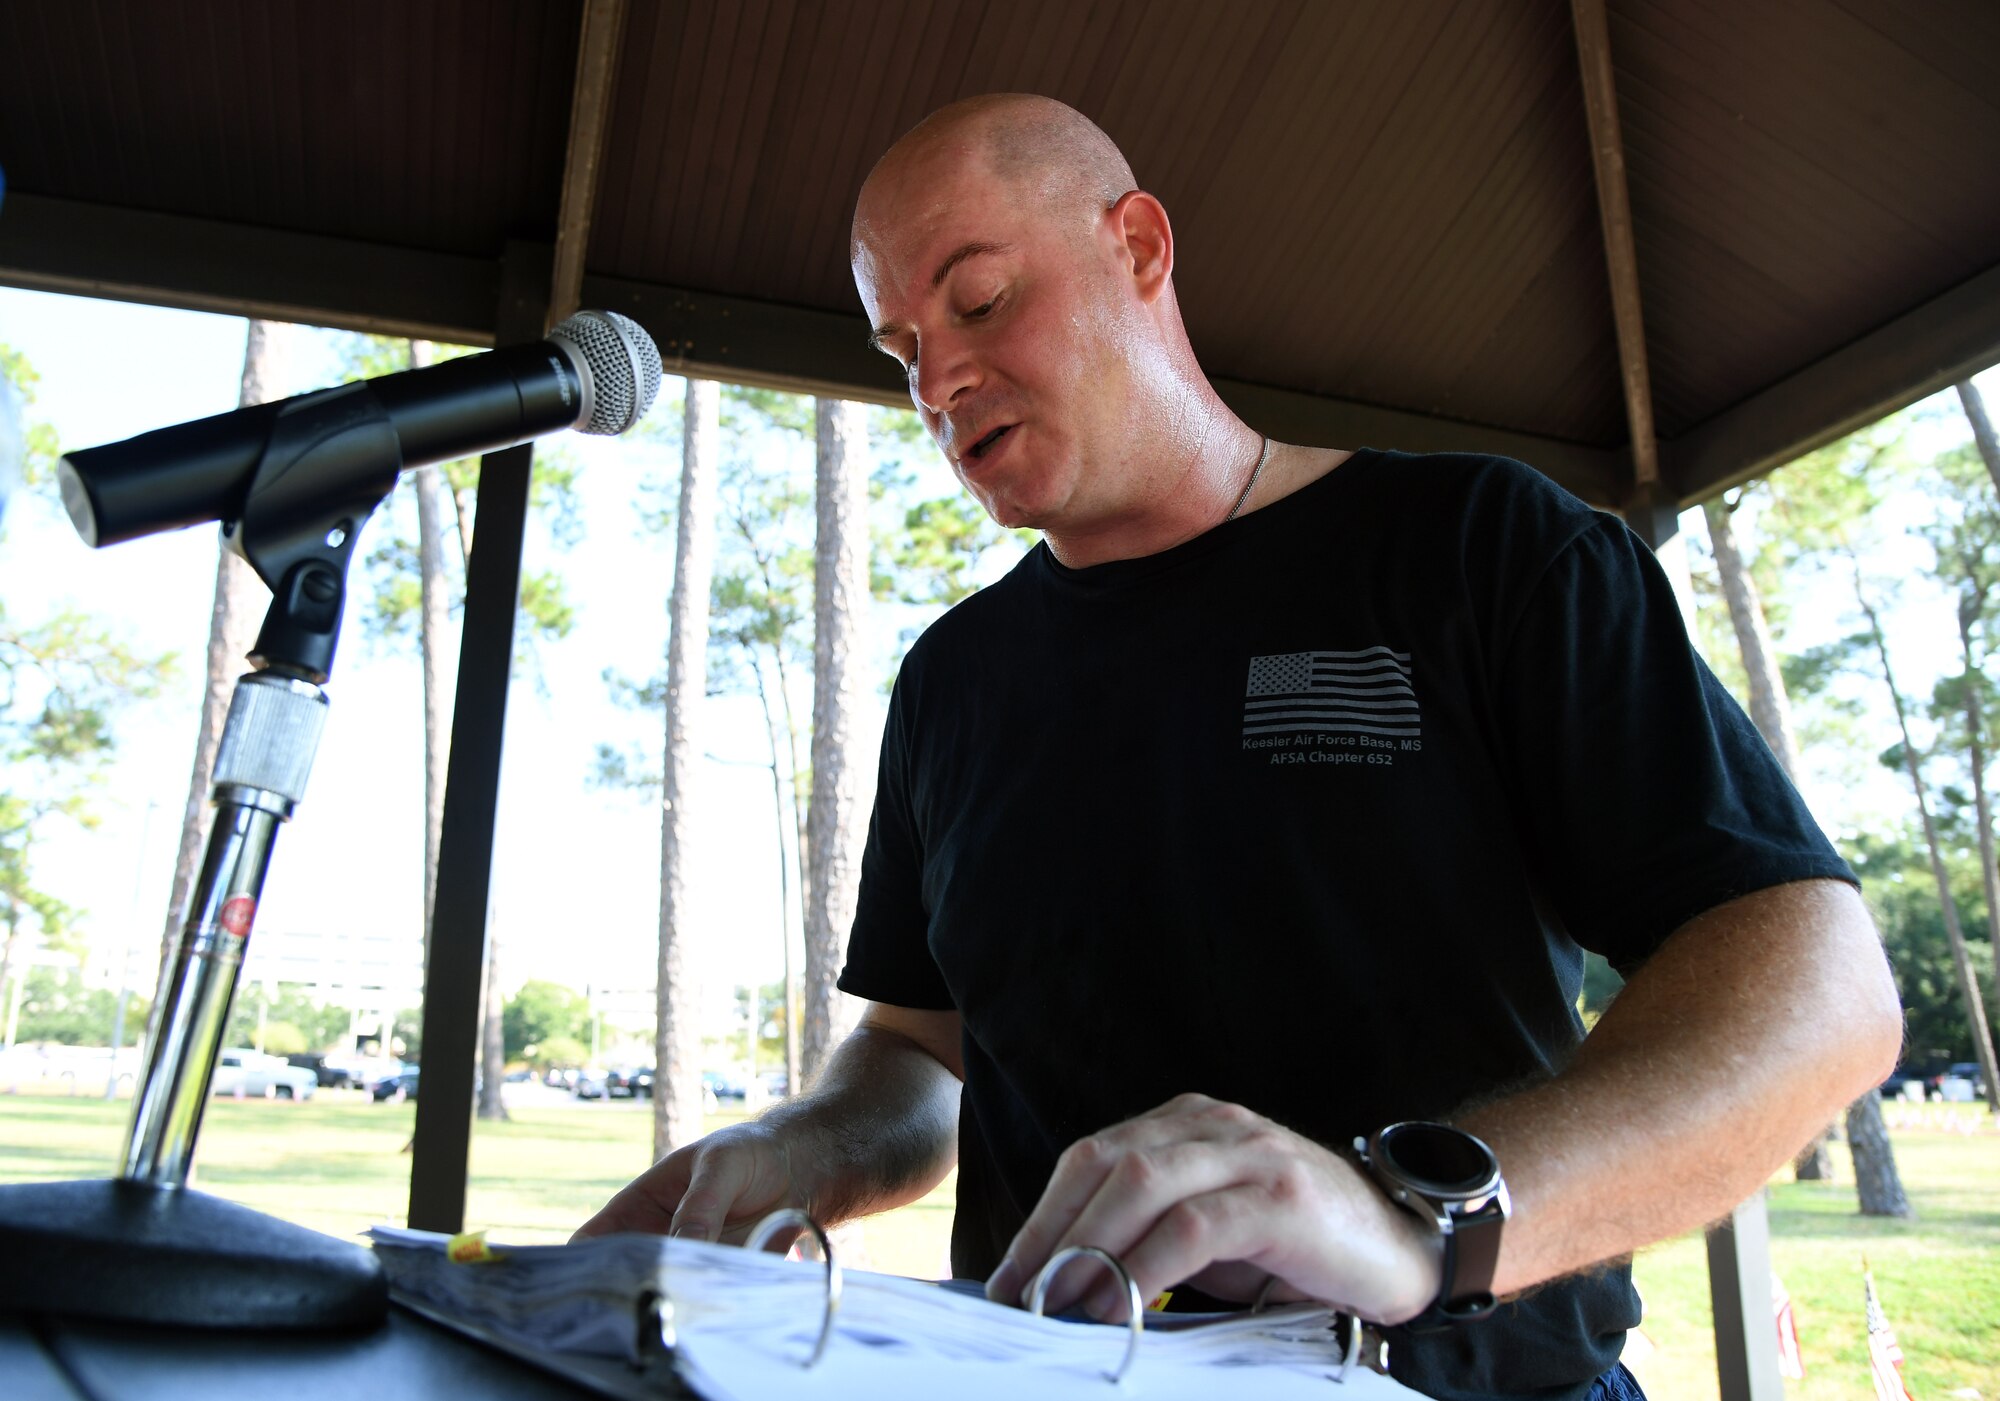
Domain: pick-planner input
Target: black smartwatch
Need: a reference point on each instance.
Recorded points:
(1452, 1180)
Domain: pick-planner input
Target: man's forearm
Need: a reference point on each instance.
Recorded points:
(1740, 1038)
(878, 1130)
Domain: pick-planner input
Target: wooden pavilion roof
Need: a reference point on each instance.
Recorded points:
(1389, 215)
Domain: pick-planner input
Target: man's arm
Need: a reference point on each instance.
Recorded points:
(1744, 1034)
(880, 1128)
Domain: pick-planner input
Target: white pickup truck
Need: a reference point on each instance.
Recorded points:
(252, 1074)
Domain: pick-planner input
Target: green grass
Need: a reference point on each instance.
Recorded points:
(336, 1163)
(1938, 1278)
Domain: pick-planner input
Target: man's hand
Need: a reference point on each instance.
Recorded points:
(716, 1188)
(1219, 1197)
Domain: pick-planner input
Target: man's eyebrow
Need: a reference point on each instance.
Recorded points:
(957, 256)
(960, 254)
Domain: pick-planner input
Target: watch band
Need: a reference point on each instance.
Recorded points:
(1471, 1256)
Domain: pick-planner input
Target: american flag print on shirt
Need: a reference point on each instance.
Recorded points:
(1358, 693)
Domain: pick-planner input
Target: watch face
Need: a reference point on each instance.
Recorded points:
(1444, 1162)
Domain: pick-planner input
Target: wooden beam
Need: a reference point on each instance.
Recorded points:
(822, 352)
(1919, 353)
(97, 250)
(442, 1145)
(1739, 1283)
(171, 260)
(1595, 474)
(1614, 212)
(589, 119)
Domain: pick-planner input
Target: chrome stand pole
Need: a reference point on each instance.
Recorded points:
(261, 767)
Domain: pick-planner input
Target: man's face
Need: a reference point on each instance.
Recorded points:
(1008, 315)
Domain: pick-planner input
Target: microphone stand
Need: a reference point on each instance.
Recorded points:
(145, 1247)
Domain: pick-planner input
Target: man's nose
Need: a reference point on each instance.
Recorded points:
(945, 370)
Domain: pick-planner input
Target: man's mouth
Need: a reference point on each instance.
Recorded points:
(989, 442)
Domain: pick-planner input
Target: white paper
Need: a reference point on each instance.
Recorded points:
(746, 1321)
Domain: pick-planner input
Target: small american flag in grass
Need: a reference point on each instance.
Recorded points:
(1885, 1359)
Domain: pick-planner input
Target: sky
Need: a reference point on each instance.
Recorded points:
(575, 885)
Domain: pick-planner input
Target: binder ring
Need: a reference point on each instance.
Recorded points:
(657, 1335)
(1354, 1327)
(1363, 1347)
(1137, 1311)
(762, 1232)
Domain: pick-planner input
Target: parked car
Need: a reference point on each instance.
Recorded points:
(1911, 1081)
(402, 1084)
(252, 1074)
(1961, 1083)
(331, 1077)
(589, 1084)
(723, 1086)
(633, 1082)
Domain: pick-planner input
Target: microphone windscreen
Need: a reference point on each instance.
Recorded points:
(623, 365)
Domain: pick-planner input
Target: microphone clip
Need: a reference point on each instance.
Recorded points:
(330, 460)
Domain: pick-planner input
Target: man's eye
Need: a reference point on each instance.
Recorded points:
(982, 309)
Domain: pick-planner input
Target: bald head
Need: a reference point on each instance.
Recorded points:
(1038, 147)
(1025, 286)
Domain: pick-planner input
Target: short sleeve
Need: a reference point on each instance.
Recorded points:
(888, 953)
(1645, 794)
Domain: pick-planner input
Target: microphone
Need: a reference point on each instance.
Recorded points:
(597, 372)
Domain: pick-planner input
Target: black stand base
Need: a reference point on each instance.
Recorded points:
(127, 1251)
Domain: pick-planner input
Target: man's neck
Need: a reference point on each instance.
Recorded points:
(1196, 503)
(1172, 489)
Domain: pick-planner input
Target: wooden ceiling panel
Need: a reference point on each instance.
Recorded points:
(1789, 191)
(1388, 211)
(363, 121)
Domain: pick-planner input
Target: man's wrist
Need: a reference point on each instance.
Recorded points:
(1422, 1249)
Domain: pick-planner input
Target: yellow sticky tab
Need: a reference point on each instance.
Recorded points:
(1160, 1300)
(470, 1248)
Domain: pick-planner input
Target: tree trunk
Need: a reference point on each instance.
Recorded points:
(1770, 711)
(790, 1001)
(1983, 810)
(1989, 453)
(434, 616)
(677, 1035)
(1875, 1176)
(433, 635)
(7, 966)
(1968, 986)
(834, 821)
(801, 783)
(1982, 428)
(492, 1039)
(236, 613)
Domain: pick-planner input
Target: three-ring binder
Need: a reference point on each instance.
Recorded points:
(1361, 1344)
(617, 1313)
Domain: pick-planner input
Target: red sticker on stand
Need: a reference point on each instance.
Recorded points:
(237, 914)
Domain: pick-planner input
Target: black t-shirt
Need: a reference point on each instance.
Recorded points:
(1310, 813)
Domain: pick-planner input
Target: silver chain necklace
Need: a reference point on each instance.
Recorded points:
(1251, 485)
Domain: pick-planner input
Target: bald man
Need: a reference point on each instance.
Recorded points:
(1233, 858)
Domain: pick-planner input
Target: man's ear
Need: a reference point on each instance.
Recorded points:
(1146, 241)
